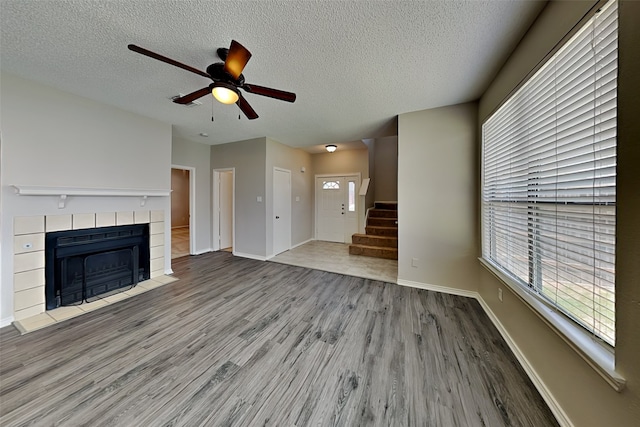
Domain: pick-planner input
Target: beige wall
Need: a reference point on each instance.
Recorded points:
(248, 159)
(342, 161)
(583, 395)
(292, 159)
(385, 170)
(436, 197)
(370, 198)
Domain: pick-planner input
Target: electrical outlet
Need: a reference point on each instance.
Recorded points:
(414, 262)
(500, 294)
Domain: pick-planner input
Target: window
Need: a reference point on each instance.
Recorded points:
(352, 196)
(330, 185)
(549, 179)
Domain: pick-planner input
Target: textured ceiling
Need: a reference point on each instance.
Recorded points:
(354, 65)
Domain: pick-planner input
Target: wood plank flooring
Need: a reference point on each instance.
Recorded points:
(239, 342)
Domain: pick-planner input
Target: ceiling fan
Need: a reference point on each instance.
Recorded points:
(227, 79)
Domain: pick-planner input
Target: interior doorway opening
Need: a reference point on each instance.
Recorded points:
(182, 211)
(223, 209)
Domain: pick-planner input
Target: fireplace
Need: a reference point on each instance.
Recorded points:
(87, 264)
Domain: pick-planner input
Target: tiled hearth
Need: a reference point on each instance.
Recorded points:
(29, 258)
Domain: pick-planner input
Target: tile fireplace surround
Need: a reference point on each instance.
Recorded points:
(28, 248)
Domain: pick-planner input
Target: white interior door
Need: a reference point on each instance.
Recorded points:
(226, 209)
(281, 210)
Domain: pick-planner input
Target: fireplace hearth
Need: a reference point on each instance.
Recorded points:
(89, 264)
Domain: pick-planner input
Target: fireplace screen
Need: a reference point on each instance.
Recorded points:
(85, 265)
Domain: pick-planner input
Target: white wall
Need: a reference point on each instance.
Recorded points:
(192, 154)
(584, 396)
(437, 196)
(53, 138)
(292, 159)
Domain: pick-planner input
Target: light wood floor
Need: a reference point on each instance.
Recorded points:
(239, 342)
(179, 242)
(335, 257)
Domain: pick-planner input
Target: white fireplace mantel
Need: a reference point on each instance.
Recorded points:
(63, 192)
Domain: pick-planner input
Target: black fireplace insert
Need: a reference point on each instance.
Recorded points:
(85, 265)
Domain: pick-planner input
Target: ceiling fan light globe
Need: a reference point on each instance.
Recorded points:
(225, 95)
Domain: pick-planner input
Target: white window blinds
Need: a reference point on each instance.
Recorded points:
(549, 176)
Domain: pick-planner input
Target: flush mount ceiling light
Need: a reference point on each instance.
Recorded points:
(331, 148)
(225, 93)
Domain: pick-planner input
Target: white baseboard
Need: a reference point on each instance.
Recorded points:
(553, 404)
(204, 251)
(6, 321)
(250, 256)
(438, 288)
(555, 407)
(292, 247)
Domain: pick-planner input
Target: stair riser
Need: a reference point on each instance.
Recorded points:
(383, 205)
(382, 222)
(381, 213)
(391, 232)
(375, 241)
(374, 252)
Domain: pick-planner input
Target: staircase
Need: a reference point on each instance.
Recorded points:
(381, 240)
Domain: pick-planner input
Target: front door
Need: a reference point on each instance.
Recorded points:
(336, 208)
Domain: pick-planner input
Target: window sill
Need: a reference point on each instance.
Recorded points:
(596, 355)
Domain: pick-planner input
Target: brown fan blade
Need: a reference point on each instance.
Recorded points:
(237, 58)
(159, 57)
(246, 108)
(193, 96)
(272, 93)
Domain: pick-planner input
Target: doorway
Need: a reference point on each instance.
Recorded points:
(223, 209)
(337, 207)
(182, 211)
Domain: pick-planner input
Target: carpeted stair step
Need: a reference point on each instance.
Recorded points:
(386, 205)
(369, 240)
(374, 251)
(382, 222)
(382, 231)
(383, 213)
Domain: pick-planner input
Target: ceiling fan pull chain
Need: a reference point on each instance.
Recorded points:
(212, 110)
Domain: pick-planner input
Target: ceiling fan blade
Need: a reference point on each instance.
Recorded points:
(246, 108)
(272, 93)
(237, 58)
(193, 96)
(159, 57)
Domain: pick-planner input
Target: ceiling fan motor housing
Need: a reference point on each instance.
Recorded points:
(217, 73)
